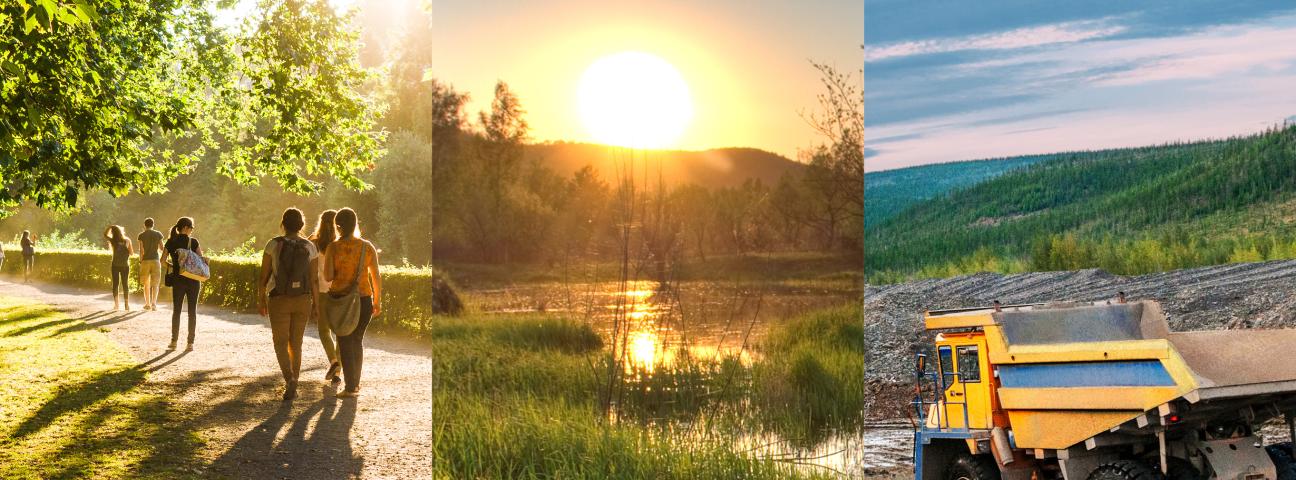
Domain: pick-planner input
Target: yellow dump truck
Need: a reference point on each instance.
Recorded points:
(1100, 391)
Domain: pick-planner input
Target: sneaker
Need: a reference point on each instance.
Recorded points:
(171, 346)
(189, 348)
(349, 393)
(332, 373)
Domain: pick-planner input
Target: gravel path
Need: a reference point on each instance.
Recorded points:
(229, 389)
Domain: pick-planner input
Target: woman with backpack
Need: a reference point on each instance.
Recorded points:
(352, 268)
(120, 272)
(286, 291)
(326, 233)
(184, 290)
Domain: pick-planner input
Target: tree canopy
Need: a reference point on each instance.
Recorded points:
(121, 96)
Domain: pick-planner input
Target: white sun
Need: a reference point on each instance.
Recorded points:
(634, 99)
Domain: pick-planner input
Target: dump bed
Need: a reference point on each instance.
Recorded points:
(1232, 363)
(1070, 372)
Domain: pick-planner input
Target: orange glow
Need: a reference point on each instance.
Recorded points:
(747, 71)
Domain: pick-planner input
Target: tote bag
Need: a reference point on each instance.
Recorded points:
(192, 265)
(342, 311)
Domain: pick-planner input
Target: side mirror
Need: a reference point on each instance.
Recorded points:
(922, 363)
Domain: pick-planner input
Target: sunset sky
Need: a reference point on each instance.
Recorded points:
(958, 80)
(746, 63)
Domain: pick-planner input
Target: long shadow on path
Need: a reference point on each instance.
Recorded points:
(37, 313)
(94, 323)
(313, 443)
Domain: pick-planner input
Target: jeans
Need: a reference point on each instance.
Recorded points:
(121, 276)
(288, 317)
(351, 347)
(184, 289)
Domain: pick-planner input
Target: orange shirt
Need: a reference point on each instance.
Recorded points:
(345, 254)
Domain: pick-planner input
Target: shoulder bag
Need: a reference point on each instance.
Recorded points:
(191, 264)
(342, 311)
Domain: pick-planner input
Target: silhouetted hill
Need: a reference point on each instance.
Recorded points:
(722, 167)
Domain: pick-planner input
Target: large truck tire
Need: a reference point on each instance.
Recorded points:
(1282, 460)
(1179, 469)
(1125, 470)
(972, 467)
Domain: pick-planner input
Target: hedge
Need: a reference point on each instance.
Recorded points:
(411, 296)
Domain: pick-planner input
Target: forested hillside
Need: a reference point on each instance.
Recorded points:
(1128, 211)
(890, 191)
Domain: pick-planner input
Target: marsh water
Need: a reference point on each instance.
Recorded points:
(658, 322)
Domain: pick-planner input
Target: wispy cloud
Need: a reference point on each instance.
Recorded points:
(1120, 80)
(1058, 33)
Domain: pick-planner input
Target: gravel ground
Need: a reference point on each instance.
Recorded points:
(1242, 295)
(229, 389)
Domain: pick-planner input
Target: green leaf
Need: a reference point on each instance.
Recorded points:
(67, 16)
(11, 67)
(85, 11)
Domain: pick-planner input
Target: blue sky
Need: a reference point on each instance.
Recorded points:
(960, 80)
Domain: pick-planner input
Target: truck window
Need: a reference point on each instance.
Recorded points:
(946, 365)
(969, 363)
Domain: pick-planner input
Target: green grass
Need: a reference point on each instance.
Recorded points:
(811, 377)
(74, 405)
(518, 396)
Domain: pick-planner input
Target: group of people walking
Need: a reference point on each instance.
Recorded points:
(331, 276)
(296, 269)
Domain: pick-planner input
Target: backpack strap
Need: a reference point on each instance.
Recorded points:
(355, 283)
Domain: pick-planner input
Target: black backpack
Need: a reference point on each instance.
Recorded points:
(292, 273)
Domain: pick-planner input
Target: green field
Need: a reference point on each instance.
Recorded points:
(520, 396)
(75, 405)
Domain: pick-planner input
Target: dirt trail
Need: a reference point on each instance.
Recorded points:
(229, 389)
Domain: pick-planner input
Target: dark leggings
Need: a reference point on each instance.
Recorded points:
(120, 276)
(351, 347)
(187, 290)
